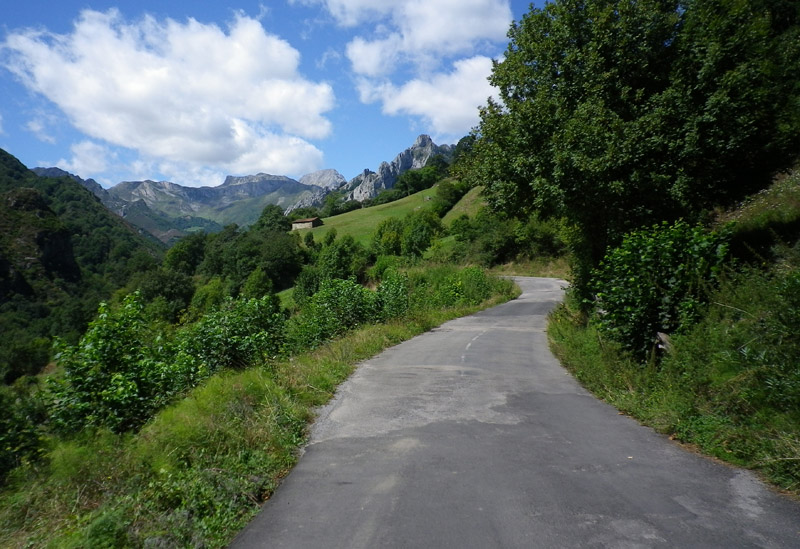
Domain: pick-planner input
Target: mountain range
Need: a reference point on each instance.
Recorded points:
(168, 210)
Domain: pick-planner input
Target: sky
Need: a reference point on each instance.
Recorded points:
(191, 92)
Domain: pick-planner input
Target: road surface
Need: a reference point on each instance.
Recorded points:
(473, 435)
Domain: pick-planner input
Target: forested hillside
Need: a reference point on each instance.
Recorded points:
(61, 253)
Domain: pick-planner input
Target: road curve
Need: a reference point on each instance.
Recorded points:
(473, 435)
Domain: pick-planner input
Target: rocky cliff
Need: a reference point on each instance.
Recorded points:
(368, 184)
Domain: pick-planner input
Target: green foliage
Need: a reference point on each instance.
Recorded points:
(413, 181)
(21, 414)
(448, 193)
(393, 293)
(491, 239)
(121, 371)
(241, 333)
(306, 284)
(186, 254)
(257, 285)
(419, 230)
(341, 258)
(335, 205)
(207, 298)
(656, 281)
(388, 237)
(273, 220)
(617, 115)
(175, 288)
(113, 378)
(339, 305)
(304, 213)
(61, 253)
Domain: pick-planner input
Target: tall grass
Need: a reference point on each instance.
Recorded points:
(200, 469)
(731, 384)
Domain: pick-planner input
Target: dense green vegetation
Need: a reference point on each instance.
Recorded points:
(641, 127)
(115, 467)
(619, 115)
(626, 134)
(729, 381)
(61, 253)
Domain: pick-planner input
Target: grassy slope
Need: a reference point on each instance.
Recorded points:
(200, 469)
(731, 386)
(361, 223)
(469, 205)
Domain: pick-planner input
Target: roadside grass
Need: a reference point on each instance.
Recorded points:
(199, 471)
(731, 384)
(360, 224)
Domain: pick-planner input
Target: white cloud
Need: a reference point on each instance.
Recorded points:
(88, 159)
(38, 128)
(448, 102)
(374, 58)
(402, 46)
(420, 32)
(190, 94)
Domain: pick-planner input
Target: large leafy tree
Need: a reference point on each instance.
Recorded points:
(618, 114)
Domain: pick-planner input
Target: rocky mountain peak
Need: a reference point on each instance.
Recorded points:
(327, 179)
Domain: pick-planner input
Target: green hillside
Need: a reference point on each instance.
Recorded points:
(61, 252)
(360, 224)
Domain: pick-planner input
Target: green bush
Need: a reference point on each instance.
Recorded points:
(112, 376)
(240, 333)
(121, 372)
(655, 281)
(393, 293)
(337, 307)
(419, 230)
(21, 414)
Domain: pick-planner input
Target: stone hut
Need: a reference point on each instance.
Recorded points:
(309, 223)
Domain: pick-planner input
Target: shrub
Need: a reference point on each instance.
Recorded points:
(114, 376)
(338, 306)
(242, 332)
(655, 281)
(20, 415)
(393, 293)
(388, 237)
(419, 230)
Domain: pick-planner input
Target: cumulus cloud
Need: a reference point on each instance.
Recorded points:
(427, 59)
(38, 127)
(420, 31)
(190, 94)
(448, 102)
(88, 159)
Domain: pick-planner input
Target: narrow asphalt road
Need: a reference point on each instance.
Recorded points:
(473, 435)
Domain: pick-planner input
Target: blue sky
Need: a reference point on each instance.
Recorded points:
(190, 92)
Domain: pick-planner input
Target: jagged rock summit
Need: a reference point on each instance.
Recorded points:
(368, 184)
(326, 179)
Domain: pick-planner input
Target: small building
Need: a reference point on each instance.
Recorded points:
(309, 223)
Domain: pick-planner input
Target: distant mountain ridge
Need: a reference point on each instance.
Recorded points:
(368, 184)
(168, 210)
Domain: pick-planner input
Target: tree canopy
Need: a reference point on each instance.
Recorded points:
(616, 114)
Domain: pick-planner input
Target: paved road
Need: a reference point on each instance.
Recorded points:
(473, 435)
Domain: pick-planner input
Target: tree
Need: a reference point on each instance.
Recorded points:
(186, 254)
(272, 219)
(617, 115)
